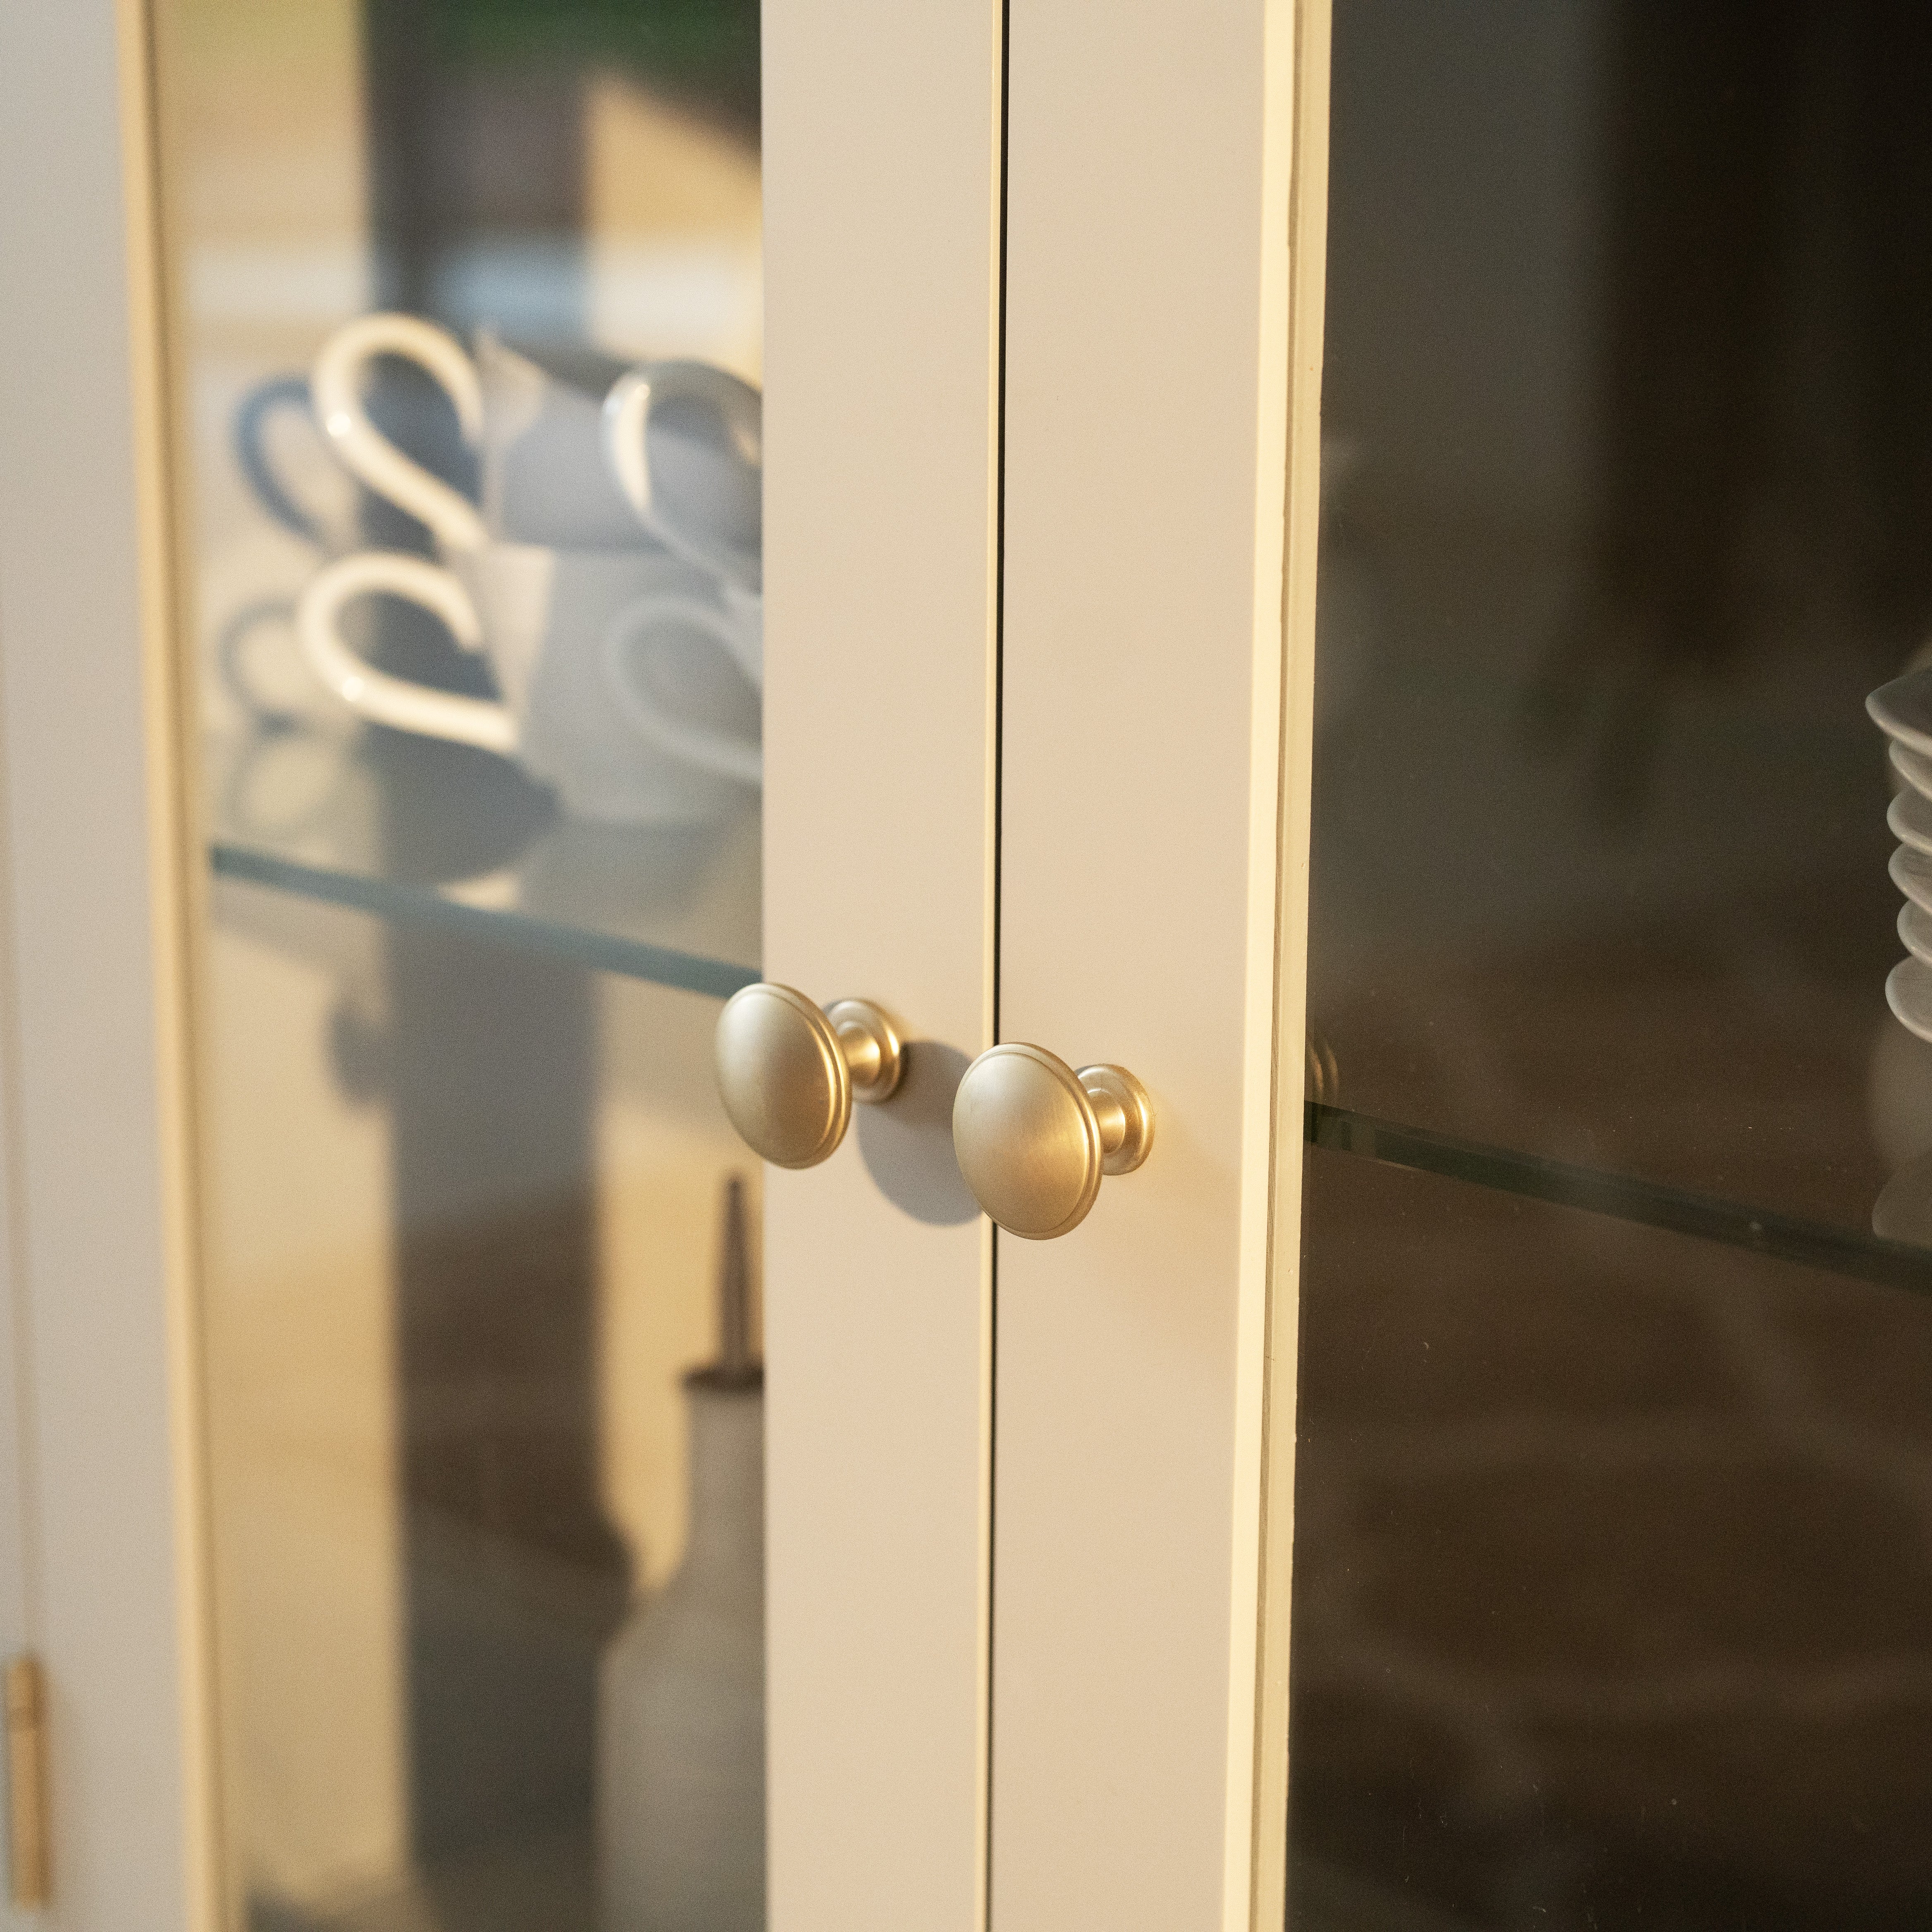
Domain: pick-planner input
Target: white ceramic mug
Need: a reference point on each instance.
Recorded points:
(674, 451)
(540, 441)
(628, 683)
(652, 675)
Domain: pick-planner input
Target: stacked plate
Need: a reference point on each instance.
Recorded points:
(1903, 710)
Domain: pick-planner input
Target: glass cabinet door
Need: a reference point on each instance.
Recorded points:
(1612, 1574)
(480, 1309)
(500, 765)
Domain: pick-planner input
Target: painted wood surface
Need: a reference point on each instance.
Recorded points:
(1147, 337)
(96, 1039)
(881, 132)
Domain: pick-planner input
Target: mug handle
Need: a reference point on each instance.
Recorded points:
(249, 431)
(627, 416)
(336, 384)
(692, 744)
(374, 694)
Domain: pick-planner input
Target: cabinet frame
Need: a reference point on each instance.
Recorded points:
(101, 897)
(877, 116)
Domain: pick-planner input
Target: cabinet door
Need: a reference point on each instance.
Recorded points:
(389, 1568)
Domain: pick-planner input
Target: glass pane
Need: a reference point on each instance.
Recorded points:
(1619, 1237)
(477, 624)
(1625, 455)
(1612, 1595)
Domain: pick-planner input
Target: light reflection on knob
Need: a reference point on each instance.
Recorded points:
(1033, 1137)
(788, 1073)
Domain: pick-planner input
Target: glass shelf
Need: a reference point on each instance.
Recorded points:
(1840, 1250)
(432, 834)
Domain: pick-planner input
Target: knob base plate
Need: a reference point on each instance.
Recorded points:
(1125, 1114)
(874, 1053)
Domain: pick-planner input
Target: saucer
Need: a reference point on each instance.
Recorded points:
(1910, 817)
(1908, 992)
(1903, 710)
(1912, 874)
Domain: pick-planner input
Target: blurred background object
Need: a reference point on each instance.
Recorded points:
(1613, 1551)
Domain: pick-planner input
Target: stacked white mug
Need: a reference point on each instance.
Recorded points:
(611, 575)
(1903, 710)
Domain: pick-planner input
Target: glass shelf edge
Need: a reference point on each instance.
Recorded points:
(1843, 1251)
(424, 905)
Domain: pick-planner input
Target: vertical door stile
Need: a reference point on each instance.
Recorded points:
(98, 899)
(1308, 237)
(1148, 411)
(881, 145)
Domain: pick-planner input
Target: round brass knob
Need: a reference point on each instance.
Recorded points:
(788, 1073)
(1033, 1137)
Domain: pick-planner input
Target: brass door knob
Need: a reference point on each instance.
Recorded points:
(1033, 1137)
(788, 1073)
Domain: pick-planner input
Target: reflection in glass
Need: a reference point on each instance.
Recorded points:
(1612, 1555)
(1613, 1581)
(1622, 360)
(487, 1484)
